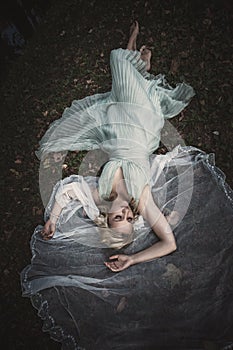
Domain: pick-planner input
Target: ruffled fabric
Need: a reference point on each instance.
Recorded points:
(80, 191)
(80, 125)
(171, 100)
(125, 123)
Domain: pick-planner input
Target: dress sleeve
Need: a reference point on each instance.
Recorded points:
(65, 194)
(79, 191)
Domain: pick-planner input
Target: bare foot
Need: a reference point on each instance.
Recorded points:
(133, 33)
(134, 30)
(146, 56)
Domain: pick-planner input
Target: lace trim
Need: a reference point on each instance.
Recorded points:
(209, 161)
(56, 332)
(219, 176)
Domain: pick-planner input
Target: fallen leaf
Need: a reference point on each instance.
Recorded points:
(174, 66)
(18, 161)
(122, 304)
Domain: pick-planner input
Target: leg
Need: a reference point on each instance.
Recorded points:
(134, 30)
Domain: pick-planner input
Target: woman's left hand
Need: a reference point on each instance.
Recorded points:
(121, 262)
(48, 230)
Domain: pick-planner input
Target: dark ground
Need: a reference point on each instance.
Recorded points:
(68, 59)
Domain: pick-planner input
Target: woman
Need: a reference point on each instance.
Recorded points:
(182, 301)
(126, 124)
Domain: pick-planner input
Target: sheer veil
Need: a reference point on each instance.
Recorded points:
(184, 298)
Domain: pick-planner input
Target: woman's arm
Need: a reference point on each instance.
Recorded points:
(166, 244)
(66, 195)
(50, 225)
(157, 221)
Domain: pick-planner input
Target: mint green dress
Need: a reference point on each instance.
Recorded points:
(125, 123)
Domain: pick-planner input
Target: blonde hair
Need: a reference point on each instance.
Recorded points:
(102, 220)
(112, 238)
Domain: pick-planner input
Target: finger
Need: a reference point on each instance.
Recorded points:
(45, 238)
(117, 269)
(45, 232)
(114, 257)
(48, 237)
(111, 267)
(45, 228)
(115, 266)
(108, 265)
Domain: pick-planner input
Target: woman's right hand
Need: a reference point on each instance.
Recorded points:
(119, 262)
(48, 230)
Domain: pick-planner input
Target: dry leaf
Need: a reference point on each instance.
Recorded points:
(174, 66)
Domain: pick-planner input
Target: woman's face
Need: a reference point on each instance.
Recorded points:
(120, 216)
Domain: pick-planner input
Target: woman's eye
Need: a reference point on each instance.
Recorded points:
(130, 219)
(118, 217)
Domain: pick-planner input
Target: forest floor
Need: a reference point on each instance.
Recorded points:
(67, 59)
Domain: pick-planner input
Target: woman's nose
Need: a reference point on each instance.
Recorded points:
(125, 210)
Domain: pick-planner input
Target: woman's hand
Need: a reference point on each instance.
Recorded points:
(48, 230)
(121, 262)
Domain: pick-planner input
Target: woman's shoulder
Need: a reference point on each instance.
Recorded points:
(144, 198)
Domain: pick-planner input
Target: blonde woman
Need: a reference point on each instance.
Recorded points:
(181, 301)
(126, 124)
